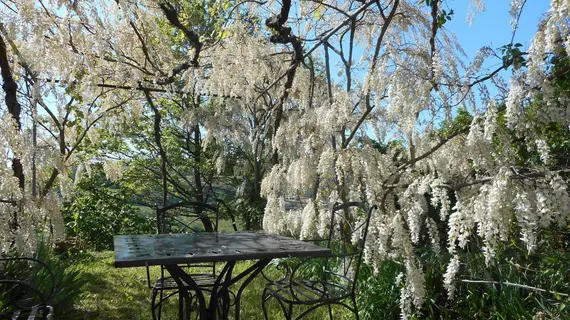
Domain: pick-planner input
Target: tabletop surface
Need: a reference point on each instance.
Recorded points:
(163, 249)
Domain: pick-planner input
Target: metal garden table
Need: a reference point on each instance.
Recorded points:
(172, 250)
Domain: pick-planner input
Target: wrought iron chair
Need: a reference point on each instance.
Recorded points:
(183, 217)
(317, 282)
(20, 298)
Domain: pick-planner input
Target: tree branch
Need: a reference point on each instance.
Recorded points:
(172, 16)
(511, 284)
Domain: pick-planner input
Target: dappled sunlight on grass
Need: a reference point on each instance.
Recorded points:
(113, 293)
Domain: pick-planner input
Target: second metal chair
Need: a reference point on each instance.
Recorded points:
(317, 282)
(183, 217)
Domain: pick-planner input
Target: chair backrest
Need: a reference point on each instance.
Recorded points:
(347, 236)
(187, 217)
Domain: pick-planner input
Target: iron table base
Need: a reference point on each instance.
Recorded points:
(219, 304)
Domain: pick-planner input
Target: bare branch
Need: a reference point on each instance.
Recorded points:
(517, 285)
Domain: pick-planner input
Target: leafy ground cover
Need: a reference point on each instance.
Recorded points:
(112, 293)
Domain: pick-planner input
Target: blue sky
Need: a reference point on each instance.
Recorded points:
(492, 27)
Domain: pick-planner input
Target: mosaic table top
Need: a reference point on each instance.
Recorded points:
(162, 249)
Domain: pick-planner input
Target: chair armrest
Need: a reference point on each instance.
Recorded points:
(300, 267)
(289, 264)
(338, 275)
(325, 273)
(285, 265)
(27, 290)
(33, 263)
(7, 285)
(282, 266)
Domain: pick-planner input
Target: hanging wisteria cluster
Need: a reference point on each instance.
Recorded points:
(338, 100)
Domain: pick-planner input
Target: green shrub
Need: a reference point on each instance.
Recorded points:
(99, 210)
(69, 281)
(378, 295)
(516, 285)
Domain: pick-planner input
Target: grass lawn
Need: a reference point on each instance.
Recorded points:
(123, 294)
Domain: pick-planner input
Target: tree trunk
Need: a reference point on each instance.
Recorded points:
(10, 87)
(162, 154)
(206, 221)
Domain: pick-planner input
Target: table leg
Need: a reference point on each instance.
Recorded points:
(223, 291)
(250, 273)
(180, 277)
(220, 289)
